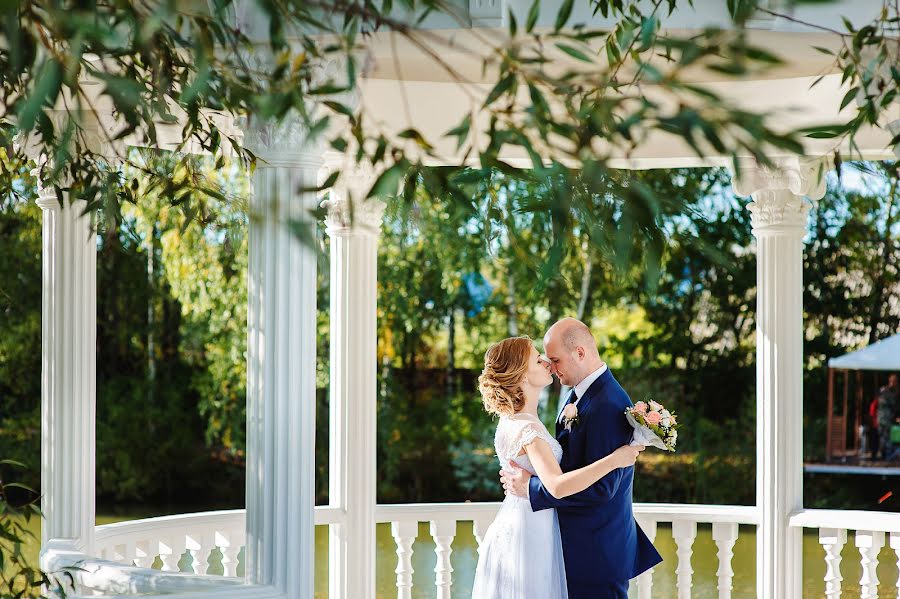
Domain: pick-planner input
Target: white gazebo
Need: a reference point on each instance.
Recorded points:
(277, 527)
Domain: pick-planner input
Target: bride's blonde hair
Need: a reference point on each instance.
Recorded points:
(505, 365)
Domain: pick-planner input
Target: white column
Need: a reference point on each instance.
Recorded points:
(68, 371)
(779, 217)
(353, 225)
(281, 369)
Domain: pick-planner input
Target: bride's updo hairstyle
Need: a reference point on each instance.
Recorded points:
(505, 365)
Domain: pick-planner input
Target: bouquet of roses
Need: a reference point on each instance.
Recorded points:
(653, 425)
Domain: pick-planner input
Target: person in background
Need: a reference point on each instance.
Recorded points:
(872, 430)
(887, 415)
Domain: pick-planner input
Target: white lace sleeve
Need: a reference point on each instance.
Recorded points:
(518, 436)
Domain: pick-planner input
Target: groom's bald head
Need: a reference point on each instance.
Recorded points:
(572, 350)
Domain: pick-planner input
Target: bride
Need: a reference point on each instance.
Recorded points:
(521, 556)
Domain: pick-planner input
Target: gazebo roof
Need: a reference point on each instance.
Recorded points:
(882, 355)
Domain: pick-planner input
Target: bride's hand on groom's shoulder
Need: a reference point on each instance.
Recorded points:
(515, 480)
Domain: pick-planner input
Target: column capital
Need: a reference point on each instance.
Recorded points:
(47, 199)
(284, 144)
(801, 175)
(348, 209)
(778, 191)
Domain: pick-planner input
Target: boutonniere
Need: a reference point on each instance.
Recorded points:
(570, 416)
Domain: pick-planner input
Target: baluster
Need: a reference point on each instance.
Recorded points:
(645, 580)
(480, 525)
(142, 557)
(443, 531)
(725, 534)
(230, 545)
(684, 532)
(103, 552)
(120, 554)
(869, 544)
(404, 535)
(199, 546)
(895, 545)
(833, 540)
(170, 550)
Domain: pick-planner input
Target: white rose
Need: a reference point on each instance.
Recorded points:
(666, 422)
(655, 406)
(665, 414)
(570, 411)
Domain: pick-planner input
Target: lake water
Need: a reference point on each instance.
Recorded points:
(704, 563)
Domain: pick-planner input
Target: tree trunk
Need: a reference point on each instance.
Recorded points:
(512, 321)
(585, 278)
(151, 313)
(451, 350)
(879, 282)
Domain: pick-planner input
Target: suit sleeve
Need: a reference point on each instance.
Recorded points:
(606, 430)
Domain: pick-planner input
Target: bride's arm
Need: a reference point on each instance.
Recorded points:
(562, 484)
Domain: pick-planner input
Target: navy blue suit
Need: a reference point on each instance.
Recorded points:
(602, 544)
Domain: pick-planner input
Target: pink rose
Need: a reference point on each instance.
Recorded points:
(653, 418)
(640, 407)
(570, 411)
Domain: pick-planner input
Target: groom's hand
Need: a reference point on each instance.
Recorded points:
(515, 481)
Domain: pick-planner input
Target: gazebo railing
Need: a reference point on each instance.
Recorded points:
(211, 542)
(872, 531)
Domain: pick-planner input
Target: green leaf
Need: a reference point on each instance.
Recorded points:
(513, 26)
(502, 87)
(45, 90)
(20, 486)
(565, 11)
(388, 181)
(533, 14)
(574, 52)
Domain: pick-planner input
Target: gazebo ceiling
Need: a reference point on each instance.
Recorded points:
(405, 86)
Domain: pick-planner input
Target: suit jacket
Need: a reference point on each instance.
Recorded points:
(602, 543)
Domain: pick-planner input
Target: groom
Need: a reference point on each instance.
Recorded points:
(602, 545)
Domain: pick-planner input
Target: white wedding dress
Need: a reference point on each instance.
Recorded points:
(521, 554)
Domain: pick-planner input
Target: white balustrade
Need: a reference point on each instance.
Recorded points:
(443, 531)
(725, 535)
(141, 541)
(480, 525)
(684, 532)
(869, 543)
(404, 534)
(870, 529)
(645, 580)
(833, 541)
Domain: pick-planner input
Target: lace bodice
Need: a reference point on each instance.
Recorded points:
(515, 432)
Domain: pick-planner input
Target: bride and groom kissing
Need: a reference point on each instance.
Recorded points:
(566, 528)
